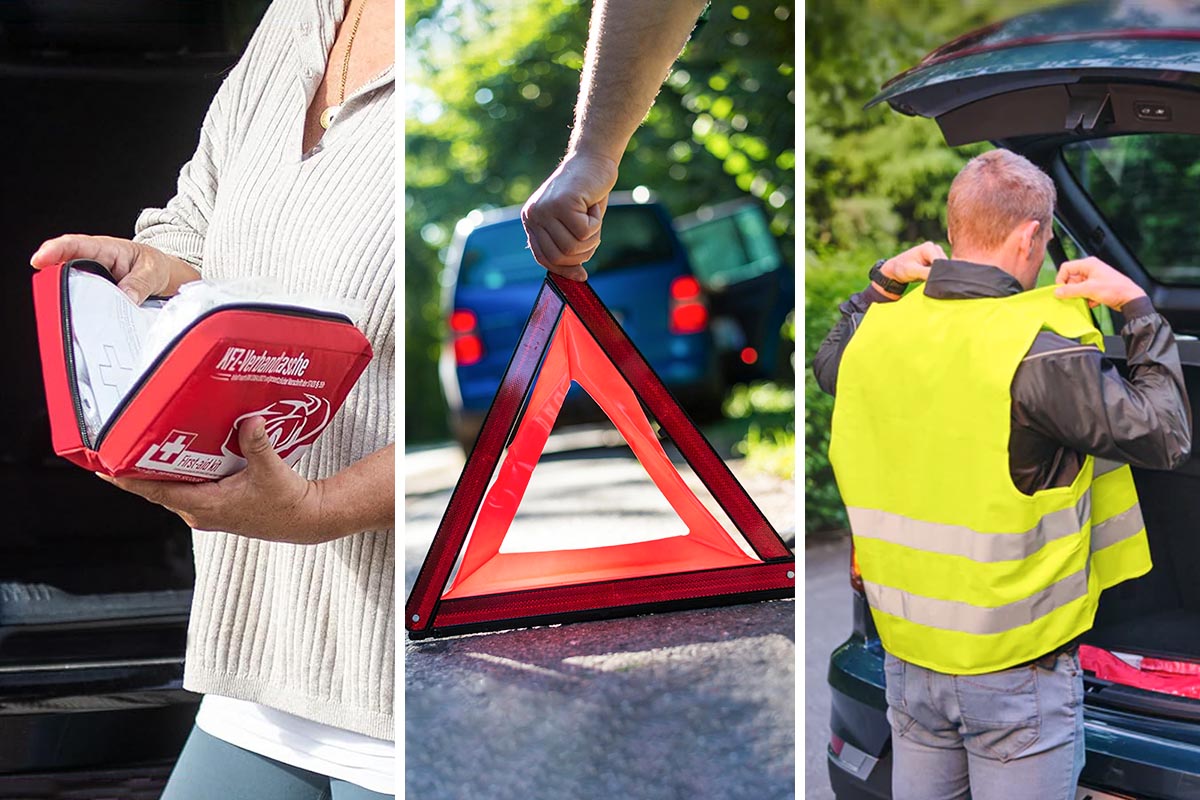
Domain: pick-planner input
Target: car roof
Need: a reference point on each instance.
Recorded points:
(708, 213)
(491, 216)
(1162, 38)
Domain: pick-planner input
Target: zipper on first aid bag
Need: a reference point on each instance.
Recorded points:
(139, 384)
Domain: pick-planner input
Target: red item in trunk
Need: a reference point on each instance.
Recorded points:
(1180, 678)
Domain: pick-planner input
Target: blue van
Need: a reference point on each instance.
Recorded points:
(641, 271)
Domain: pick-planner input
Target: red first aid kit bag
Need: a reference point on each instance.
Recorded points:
(177, 418)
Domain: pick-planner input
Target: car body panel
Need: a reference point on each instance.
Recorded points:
(1050, 47)
(751, 287)
(106, 714)
(1126, 753)
(942, 87)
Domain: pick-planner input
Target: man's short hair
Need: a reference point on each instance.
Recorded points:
(993, 194)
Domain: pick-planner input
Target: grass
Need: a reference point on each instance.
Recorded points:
(761, 420)
(772, 451)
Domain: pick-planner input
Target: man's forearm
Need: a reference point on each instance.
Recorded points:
(1143, 420)
(1155, 370)
(361, 497)
(829, 356)
(631, 46)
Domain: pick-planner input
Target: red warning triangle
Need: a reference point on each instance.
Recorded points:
(570, 336)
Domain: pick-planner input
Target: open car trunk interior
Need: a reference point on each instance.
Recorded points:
(102, 125)
(1159, 613)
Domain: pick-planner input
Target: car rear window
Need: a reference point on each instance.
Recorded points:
(1148, 188)
(731, 249)
(496, 256)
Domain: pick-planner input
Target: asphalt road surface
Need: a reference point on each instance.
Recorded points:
(827, 620)
(672, 706)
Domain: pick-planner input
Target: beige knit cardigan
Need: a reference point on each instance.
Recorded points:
(306, 629)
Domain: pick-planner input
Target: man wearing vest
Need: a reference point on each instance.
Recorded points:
(981, 442)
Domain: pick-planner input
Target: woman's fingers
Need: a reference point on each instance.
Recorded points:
(138, 285)
(117, 255)
(140, 271)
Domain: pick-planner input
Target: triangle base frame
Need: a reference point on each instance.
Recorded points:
(675, 591)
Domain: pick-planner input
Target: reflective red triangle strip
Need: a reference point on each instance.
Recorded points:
(609, 597)
(709, 467)
(701, 588)
(500, 504)
(468, 493)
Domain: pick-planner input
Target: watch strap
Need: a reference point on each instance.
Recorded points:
(889, 285)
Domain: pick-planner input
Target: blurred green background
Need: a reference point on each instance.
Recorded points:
(491, 93)
(875, 181)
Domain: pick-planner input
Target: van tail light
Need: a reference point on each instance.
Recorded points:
(464, 328)
(688, 312)
(856, 581)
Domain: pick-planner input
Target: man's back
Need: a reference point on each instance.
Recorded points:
(984, 567)
(1067, 399)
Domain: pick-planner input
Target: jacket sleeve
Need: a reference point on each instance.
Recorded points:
(1072, 394)
(829, 356)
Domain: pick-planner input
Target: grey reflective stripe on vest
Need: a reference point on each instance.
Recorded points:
(1115, 529)
(959, 540)
(1127, 524)
(1103, 466)
(953, 615)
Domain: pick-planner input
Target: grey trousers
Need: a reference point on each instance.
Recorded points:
(210, 768)
(997, 736)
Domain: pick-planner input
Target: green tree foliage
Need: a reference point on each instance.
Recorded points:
(876, 176)
(875, 179)
(1146, 186)
(838, 276)
(492, 87)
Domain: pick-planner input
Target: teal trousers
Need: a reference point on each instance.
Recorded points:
(209, 768)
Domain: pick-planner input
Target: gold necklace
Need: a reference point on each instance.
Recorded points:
(327, 116)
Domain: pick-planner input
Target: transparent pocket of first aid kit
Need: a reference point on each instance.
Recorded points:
(114, 341)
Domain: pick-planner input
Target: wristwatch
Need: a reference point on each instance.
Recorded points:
(889, 285)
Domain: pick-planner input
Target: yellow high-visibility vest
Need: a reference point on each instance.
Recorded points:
(963, 572)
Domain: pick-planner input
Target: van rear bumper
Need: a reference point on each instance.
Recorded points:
(1127, 753)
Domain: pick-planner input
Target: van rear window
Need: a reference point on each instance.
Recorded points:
(496, 256)
(1148, 188)
(732, 248)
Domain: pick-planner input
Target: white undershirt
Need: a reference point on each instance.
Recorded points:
(313, 746)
